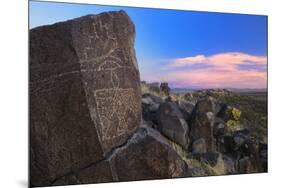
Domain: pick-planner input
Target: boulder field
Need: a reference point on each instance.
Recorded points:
(92, 122)
(85, 106)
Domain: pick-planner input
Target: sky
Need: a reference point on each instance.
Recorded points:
(187, 49)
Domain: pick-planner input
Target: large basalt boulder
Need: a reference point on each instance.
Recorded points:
(202, 122)
(219, 127)
(94, 173)
(147, 155)
(150, 106)
(225, 112)
(172, 124)
(186, 108)
(85, 97)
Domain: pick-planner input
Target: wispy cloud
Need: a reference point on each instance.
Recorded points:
(222, 70)
(224, 61)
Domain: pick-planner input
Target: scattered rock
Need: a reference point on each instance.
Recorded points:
(225, 112)
(154, 98)
(154, 87)
(250, 149)
(263, 156)
(171, 123)
(202, 122)
(245, 166)
(199, 146)
(150, 106)
(186, 108)
(229, 165)
(219, 127)
(164, 87)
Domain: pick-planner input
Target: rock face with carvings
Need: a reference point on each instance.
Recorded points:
(85, 97)
(146, 155)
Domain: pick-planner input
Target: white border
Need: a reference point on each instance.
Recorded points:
(14, 82)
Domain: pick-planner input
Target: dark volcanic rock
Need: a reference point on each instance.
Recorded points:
(199, 146)
(225, 112)
(154, 98)
(172, 124)
(94, 173)
(229, 164)
(245, 165)
(147, 155)
(244, 151)
(263, 156)
(164, 87)
(219, 127)
(211, 158)
(85, 94)
(186, 108)
(150, 106)
(202, 122)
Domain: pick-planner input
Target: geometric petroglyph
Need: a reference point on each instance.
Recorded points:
(116, 107)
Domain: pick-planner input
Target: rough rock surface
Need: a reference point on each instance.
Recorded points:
(150, 106)
(85, 97)
(94, 173)
(199, 146)
(147, 155)
(186, 108)
(202, 122)
(221, 141)
(172, 124)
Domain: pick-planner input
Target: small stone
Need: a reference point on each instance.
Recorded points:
(199, 146)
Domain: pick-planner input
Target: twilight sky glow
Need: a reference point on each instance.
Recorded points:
(188, 49)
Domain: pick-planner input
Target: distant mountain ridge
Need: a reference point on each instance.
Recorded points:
(187, 90)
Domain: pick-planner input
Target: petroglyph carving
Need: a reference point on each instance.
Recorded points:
(114, 106)
(85, 95)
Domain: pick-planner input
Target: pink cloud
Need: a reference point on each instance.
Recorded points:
(224, 71)
(223, 61)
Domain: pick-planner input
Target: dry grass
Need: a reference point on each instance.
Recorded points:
(207, 169)
(146, 89)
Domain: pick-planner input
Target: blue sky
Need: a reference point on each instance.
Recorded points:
(166, 37)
